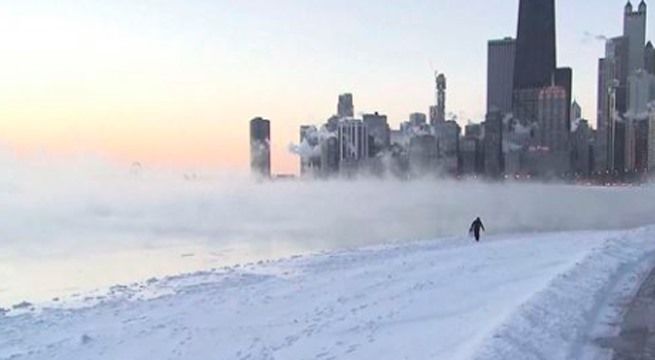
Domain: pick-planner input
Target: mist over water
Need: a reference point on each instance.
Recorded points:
(69, 226)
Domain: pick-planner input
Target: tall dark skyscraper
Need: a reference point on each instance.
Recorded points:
(535, 44)
(564, 77)
(634, 28)
(537, 80)
(535, 58)
(535, 66)
(500, 74)
(260, 147)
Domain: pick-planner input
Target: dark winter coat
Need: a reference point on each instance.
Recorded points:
(475, 228)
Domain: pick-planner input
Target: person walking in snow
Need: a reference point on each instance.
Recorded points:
(475, 229)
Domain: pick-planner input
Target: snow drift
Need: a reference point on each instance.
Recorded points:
(512, 297)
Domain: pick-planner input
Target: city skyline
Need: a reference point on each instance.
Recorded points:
(142, 87)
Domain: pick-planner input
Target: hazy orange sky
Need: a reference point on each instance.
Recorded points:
(175, 83)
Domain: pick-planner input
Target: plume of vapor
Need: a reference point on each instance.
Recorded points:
(589, 37)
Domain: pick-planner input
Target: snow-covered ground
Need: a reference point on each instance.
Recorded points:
(541, 296)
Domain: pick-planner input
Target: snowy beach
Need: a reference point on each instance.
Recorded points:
(513, 296)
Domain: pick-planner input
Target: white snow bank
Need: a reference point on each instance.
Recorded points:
(510, 297)
(565, 320)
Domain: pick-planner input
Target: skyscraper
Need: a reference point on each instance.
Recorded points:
(535, 65)
(493, 144)
(649, 58)
(641, 87)
(448, 134)
(352, 136)
(535, 44)
(260, 147)
(576, 112)
(564, 77)
(329, 157)
(346, 108)
(616, 53)
(378, 132)
(582, 149)
(440, 115)
(471, 155)
(553, 119)
(642, 130)
(634, 29)
(500, 74)
(612, 99)
(624, 90)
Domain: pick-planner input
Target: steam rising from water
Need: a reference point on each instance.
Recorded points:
(74, 211)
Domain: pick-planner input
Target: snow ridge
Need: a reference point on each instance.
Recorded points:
(579, 306)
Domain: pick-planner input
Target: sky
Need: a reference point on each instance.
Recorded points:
(174, 83)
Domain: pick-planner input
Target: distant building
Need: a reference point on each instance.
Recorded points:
(601, 149)
(630, 143)
(438, 112)
(642, 131)
(329, 157)
(582, 152)
(535, 65)
(474, 130)
(649, 58)
(260, 147)
(448, 134)
(418, 119)
(398, 164)
(399, 137)
(641, 92)
(624, 77)
(346, 107)
(378, 132)
(310, 161)
(353, 146)
(535, 44)
(500, 74)
(332, 123)
(493, 144)
(576, 112)
(434, 114)
(471, 155)
(423, 155)
(616, 73)
(634, 29)
(612, 102)
(514, 161)
(524, 103)
(619, 146)
(552, 119)
(564, 78)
